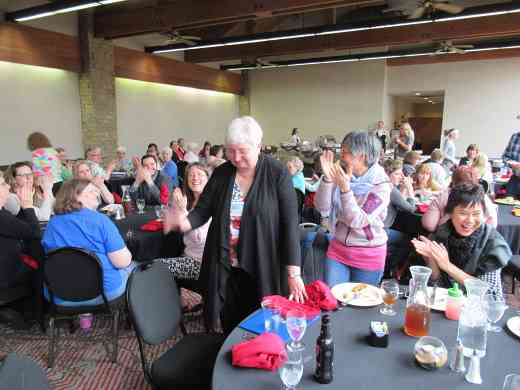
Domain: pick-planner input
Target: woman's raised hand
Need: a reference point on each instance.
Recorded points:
(26, 196)
(340, 177)
(179, 199)
(327, 163)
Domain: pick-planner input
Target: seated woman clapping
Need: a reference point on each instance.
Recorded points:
(83, 171)
(465, 247)
(76, 223)
(187, 266)
(20, 176)
(150, 184)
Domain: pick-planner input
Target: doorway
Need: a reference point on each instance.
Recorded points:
(424, 111)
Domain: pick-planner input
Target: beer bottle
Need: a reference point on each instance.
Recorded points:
(324, 353)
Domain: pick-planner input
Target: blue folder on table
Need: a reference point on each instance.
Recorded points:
(255, 324)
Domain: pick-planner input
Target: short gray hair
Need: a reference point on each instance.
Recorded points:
(167, 149)
(244, 130)
(362, 143)
(121, 149)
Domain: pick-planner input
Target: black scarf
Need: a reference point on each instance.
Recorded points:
(460, 247)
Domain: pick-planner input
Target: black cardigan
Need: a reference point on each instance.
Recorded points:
(269, 235)
(16, 234)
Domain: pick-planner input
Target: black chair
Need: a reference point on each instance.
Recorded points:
(300, 197)
(12, 294)
(75, 274)
(154, 306)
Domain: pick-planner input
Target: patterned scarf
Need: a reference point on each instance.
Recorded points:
(460, 248)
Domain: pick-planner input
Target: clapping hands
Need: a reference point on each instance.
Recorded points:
(334, 172)
(179, 200)
(433, 251)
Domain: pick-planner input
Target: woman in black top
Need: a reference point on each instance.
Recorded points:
(253, 240)
(19, 235)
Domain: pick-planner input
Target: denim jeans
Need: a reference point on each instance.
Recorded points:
(398, 248)
(336, 272)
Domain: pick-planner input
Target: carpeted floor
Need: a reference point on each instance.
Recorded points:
(83, 364)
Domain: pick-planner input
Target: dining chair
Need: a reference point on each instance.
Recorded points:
(75, 274)
(21, 373)
(155, 310)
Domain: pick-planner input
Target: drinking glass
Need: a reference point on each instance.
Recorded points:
(272, 316)
(511, 382)
(495, 307)
(292, 370)
(391, 292)
(140, 202)
(296, 323)
(159, 210)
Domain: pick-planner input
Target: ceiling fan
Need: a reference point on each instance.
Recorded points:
(416, 9)
(447, 47)
(175, 37)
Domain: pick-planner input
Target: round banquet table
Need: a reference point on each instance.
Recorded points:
(145, 245)
(509, 227)
(362, 367)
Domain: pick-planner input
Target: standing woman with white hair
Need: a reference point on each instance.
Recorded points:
(253, 239)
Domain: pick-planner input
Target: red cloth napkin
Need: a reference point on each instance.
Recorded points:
(266, 352)
(285, 305)
(422, 208)
(320, 296)
(152, 226)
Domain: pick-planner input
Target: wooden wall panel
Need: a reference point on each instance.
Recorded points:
(133, 64)
(32, 46)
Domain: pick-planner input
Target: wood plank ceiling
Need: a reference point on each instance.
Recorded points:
(210, 19)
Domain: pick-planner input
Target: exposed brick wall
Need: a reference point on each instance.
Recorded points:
(97, 89)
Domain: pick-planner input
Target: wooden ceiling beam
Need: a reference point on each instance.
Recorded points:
(495, 26)
(188, 13)
(483, 55)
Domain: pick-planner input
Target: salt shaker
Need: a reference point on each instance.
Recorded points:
(473, 374)
(457, 363)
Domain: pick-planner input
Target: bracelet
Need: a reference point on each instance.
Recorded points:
(294, 275)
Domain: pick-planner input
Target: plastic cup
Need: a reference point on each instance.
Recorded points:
(85, 321)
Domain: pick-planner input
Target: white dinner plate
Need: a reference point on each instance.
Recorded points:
(513, 324)
(367, 297)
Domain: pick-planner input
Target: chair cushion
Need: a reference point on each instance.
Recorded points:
(189, 363)
(114, 304)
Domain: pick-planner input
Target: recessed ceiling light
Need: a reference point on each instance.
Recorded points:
(417, 94)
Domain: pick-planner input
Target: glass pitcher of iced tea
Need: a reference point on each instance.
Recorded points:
(417, 316)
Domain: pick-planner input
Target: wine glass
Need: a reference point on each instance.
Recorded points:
(511, 382)
(159, 210)
(292, 370)
(391, 292)
(140, 202)
(296, 323)
(495, 307)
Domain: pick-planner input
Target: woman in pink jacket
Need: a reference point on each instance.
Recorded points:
(437, 215)
(356, 202)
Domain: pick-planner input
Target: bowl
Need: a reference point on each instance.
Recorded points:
(430, 353)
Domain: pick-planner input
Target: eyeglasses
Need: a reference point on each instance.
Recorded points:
(26, 175)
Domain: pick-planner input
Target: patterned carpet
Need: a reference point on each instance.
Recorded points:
(83, 364)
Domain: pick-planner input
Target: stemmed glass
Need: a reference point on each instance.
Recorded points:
(296, 323)
(495, 307)
(292, 370)
(140, 202)
(159, 212)
(391, 292)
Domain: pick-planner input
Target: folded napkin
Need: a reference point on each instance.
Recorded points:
(266, 351)
(285, 305)
(152, 226)
(320, 296)
(423, 207)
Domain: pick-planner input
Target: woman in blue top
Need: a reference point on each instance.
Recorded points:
(76, 223)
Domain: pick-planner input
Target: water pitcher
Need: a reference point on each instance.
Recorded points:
(472, 332)
(417, 317)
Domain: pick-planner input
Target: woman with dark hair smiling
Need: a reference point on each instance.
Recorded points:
(188, 265)
(465, 247)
